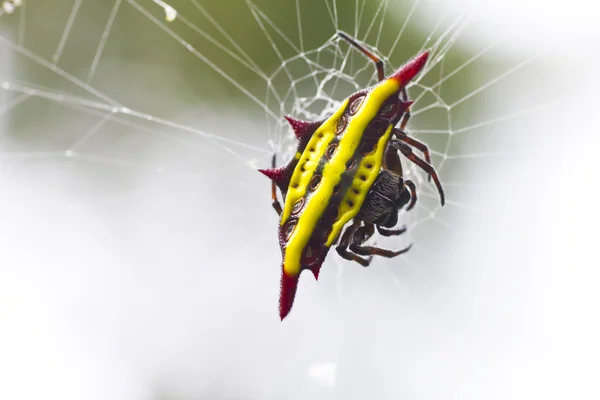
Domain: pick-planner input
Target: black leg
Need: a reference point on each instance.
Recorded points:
(364, 250)
(342, 248)
(406, 116)
(360, 237)
(406, 150)
(362, 49)
(401, 135)
(276, 203)
(413, 193)
(391, 232)
(392, 161)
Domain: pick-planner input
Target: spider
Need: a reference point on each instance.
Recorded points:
(347, 168)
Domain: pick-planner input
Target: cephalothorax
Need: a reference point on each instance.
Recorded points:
(347, 170)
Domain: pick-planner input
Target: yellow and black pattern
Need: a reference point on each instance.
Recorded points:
(332, 177)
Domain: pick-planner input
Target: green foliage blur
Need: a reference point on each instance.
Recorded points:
(143, 62)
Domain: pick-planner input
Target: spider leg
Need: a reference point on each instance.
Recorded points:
(362, 49)
(342, 248)
(390, 232)
(362, 234)
(406, 116)
(276, 203)
(406, 150)
(392, 161)
(401, 135)
(413, 193)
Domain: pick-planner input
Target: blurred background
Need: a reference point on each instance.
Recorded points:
(139, 255)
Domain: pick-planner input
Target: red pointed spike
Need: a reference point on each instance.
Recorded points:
(410, 69)
(279, 175)
(289, 284)
(316, 268)
(405, 104)
(315, 272)
(302, 128)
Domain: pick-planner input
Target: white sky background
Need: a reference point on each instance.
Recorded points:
(517, 318)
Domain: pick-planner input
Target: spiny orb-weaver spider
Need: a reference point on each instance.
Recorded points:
(347, 168)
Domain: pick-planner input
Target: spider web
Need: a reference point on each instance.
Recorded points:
(100, 99)
(71, 78)
(308, 83)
